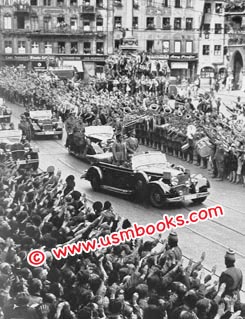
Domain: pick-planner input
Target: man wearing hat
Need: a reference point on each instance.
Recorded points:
(232, 276)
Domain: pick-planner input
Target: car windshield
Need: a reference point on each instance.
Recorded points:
(41, 115)
(100, 132)
(150, 159)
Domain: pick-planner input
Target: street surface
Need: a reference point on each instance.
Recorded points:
(212, 236)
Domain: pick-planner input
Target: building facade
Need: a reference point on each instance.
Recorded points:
(44, 33)
(213, 42)
(168, 30)
(235, 26)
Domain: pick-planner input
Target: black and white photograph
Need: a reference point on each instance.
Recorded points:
(122, 159)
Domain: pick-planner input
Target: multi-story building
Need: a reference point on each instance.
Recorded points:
(213, 46)
(235, 26)
(166, 29)
(42, 33)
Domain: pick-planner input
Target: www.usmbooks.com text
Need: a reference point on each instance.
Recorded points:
(37, 257)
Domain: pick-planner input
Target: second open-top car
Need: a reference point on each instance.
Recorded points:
(43, 124)
(150, 176)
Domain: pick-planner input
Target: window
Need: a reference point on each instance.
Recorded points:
(99, 3)
(150, 46)
(177, 46)
(218, 8)
(207, 72)
(74, 48)
(117, 43)
(34, 23)
(217, 28)
(73, 23)
(21, 47)
(20, 22)
(99, 24)
(166, 23)
(189, 3)
(47, 3)
(87, 48)
(61, 47)
(189, 47)
(118, 22)
(217, 50)
(33, 2)
(135, 22)
(150, 23)
(99, 69)
(205, 49)
(165, 46)
(7, 22)
(73, 3)
(8, 47)
(60, 3)
(177, 4)
(177, 23)
(206, 27)
(189, 23)
(34, 47)
(99, 47)
(165, 3)
(47, 23)
(86, 25)
(207, 8)
(48, 48)
(150, 3)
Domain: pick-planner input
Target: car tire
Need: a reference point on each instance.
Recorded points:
(95, 181)
(198, 201)
(140, 187)
(156, 196)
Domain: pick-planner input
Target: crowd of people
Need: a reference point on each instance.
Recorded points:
(138, 279)
(137, 93)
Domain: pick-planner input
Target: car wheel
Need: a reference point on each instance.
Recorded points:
(156, 196)
(202, 199)
(140, 188)
(95, 182)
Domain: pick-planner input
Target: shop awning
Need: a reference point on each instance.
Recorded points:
(78, 65)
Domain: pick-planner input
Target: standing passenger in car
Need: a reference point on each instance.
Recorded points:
(131, 143)
(119, 151)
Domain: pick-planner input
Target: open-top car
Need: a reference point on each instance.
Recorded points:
(151, 176)
(5, 112)
(44, 124)
(99, 140)
(13, 150)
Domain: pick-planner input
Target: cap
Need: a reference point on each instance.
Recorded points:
(76, 195)
(173, 236)
(230, 255)
(50, 169)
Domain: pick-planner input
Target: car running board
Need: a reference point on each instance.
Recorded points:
(116, 190)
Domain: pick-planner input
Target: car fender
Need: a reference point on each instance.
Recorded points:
(165, 187)
(143, 175)
(97, 169)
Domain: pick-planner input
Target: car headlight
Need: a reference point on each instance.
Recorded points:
(194, 180)
(174, 181)
(188, 183)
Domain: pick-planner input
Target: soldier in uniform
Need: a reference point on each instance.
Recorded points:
(25, 127)
(132, 143)
(232, 276)
(119, 151)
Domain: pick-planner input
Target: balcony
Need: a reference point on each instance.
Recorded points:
(21, 8)
(88, 10)
(67, 31)
(166, 27)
